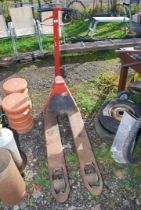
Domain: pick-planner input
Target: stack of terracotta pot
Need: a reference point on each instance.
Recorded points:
(17, 105)
(15, 85)
(18, 108)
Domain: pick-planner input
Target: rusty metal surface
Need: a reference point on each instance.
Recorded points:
(12, 185)
(88, 166)
(116, 112)
(85, 154)
(55, 156)
(126, 60)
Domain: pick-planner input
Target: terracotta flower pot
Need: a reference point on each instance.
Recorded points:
(16, 103)
(26, 129)
(21, 124)
(12, 185)
(26, 91)
(19, 117)
(15, 85)
(17, 107)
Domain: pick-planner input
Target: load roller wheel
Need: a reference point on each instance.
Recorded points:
(92, 179)
(59, 185)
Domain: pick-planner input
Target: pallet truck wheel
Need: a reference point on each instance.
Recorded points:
(111, 113)
(92, 179)
(56, 161)
(59, 185)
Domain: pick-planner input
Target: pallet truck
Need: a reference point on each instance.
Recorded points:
(60, 102)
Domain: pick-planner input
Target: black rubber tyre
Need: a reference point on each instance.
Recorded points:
(111, 113)
(105, 135)
(136, 85)
(129, 148)
(123, 95)
(134, 92)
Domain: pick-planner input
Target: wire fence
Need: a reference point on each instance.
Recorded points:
(95, 5)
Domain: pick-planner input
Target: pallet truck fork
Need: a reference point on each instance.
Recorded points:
(61, 102)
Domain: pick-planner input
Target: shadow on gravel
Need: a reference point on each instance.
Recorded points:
(79, 58)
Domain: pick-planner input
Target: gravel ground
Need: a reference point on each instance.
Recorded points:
(40, 76)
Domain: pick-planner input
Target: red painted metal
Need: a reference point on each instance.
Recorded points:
(56, 40)
(60, 101)
(55, 154)
(58, 87)
(60, 95)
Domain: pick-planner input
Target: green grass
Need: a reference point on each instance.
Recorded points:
(136, 99)
(6, 47)
(90, 95)
(39, 100)
(103, 154)
(109, 56)
(71, 158)
(42, 177)
(137, 148)
(25, 44)
(133, 178)
(111, 30)
(43, 182)
(127, 175)
(75, 29)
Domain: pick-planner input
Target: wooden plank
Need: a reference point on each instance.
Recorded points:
(23, 58)
(74, 48)
(99, 45)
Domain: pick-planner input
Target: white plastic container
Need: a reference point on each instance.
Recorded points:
(7, 141)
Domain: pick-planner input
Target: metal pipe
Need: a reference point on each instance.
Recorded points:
(21, 3)
(56, 41)
(39, 3)
(15, 2)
